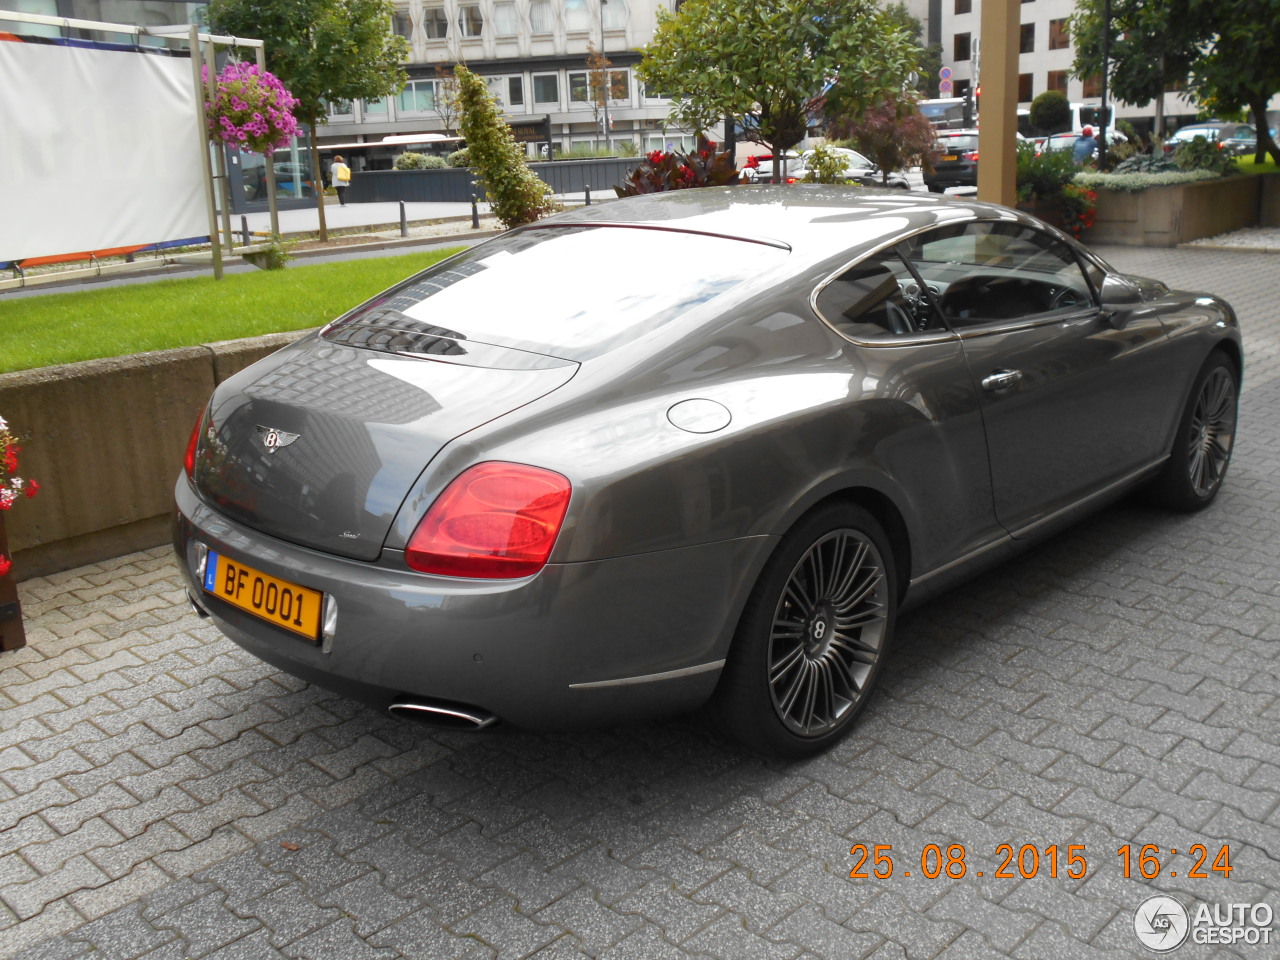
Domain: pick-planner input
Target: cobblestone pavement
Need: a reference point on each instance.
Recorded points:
(164, 795)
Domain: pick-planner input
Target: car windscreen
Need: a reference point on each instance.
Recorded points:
(957, 144)
(573, 292)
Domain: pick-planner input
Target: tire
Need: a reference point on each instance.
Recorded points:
(1197, 465)
(813, 636)
(936, 188)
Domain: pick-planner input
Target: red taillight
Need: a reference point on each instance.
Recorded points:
(190, 462)
(497, 521)
(973, 157)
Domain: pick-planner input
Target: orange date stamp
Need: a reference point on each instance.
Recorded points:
(877, 862)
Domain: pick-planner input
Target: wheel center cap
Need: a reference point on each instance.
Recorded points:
(820, 630)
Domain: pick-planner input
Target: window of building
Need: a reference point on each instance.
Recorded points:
(1093, 85)
(506, 23)
(1059, 34)
(515, 91)
(615, 14)
(418, 96)
(964, 6)
(546, 88)
(470, 20)
(1025, 89)
(962, 47)
(341, 108)
(1058, 81)
(619, 85)
(579, 88)
(577, 17)
(541, 16)
(1027, 41)
(435, 23)
(401, 25)
(375, 109)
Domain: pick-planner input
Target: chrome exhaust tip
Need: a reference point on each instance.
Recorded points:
(198, 610)
(452, 716)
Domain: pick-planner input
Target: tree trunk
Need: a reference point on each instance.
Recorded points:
(1266, 145)
(318, 176)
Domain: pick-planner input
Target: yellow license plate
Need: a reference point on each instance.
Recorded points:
(950, 156)
(285, 604)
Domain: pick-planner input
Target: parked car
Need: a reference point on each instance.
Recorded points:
(719, 476)
(857, 168)
(1238, 139)
(760, 167)
(956, 162)
(1067, 141)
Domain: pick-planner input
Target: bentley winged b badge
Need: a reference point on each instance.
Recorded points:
(273, 438)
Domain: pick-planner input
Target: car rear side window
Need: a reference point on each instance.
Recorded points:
(875, 299)
(574, 291)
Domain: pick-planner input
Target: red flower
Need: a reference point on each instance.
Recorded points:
(11, 459)
(5, 564)
(32, 489)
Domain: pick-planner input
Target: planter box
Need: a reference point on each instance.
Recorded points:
(106, 439)
(1168, 216)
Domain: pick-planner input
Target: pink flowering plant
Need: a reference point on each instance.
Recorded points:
(250, 109)
(12, 486)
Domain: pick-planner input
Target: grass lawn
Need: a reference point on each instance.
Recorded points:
(115, 321)
(1247, 165)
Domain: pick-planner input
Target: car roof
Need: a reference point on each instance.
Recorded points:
(813, 220)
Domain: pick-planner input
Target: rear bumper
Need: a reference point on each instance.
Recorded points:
(598, 642)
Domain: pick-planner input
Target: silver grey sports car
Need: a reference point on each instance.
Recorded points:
(693, 446)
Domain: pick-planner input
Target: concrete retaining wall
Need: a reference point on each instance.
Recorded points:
(105, 439)
(1168, 216)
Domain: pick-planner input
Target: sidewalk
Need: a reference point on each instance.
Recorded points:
(164, 795)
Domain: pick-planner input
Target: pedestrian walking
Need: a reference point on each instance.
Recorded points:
(1085, 146)
(341, 175)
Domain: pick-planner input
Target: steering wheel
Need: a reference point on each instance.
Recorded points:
(1065, 297)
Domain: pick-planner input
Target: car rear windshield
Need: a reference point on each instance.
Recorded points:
(958, 144)
(574, 291)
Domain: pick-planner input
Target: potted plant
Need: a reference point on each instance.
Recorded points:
(12, 489)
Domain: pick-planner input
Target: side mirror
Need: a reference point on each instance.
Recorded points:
(1119, 292)
(1119, 296)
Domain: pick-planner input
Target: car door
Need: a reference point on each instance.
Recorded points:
(913, 406)
(1071, 396)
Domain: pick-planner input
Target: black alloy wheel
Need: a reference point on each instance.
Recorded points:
(1197, 465)
(813, 636)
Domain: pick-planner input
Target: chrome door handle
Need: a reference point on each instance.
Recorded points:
(1000, 379)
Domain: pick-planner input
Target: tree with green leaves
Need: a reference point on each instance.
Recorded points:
(322, 50)
(930, 57)
(775, 63)
(517, 194)
(1226, 51)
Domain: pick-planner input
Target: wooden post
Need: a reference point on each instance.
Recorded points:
(12, 636)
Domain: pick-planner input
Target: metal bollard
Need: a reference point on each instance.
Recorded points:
(244, 230)
(475, 213)
(588, 203)
(404, 224)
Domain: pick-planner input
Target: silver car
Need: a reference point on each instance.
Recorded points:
(700, 445)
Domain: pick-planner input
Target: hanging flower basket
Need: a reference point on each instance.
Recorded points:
(250, 110)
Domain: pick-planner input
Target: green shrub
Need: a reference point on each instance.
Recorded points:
(1043, 177)
(459, 158)
(1051, 112)
(515, 192)
(1146, 163)
(418, 161)
(825, 166)
(1137, 182)
(1199, 154)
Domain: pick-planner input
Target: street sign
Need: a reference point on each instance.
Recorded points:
(944, 87)
(945, 73)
